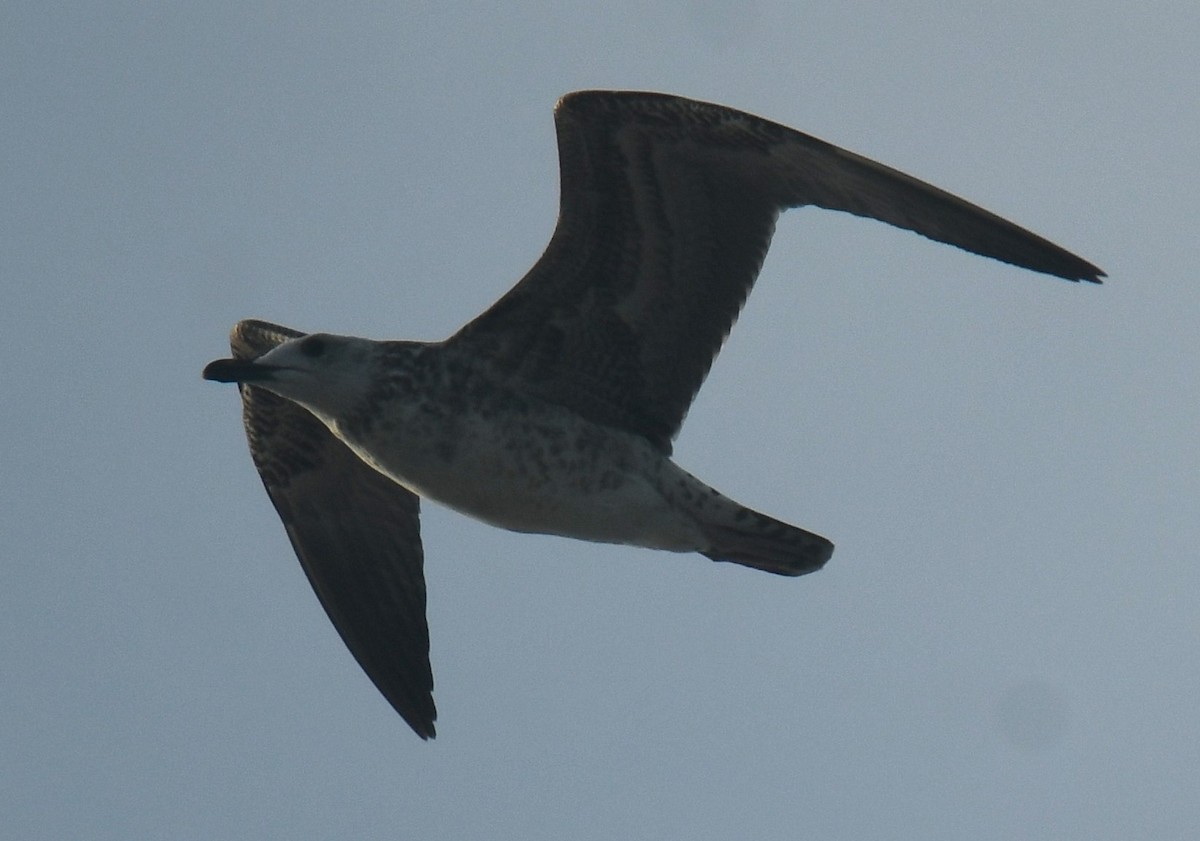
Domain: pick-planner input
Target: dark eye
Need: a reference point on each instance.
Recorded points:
(312, 347)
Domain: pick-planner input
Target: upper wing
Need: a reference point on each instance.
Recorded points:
(356, 532)
(666, 212)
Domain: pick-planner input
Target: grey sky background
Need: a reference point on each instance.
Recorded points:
(1005, 644)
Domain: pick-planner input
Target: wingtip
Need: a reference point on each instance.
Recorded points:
(1089, 273)
(422, 724)
(1066, 265)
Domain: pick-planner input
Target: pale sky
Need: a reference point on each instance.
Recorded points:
(1006, 642)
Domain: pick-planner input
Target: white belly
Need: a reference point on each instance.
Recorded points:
(588, 483)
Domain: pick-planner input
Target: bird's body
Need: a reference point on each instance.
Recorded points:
(554, 410)
(445, 426)
(529, 466)
(444, 429)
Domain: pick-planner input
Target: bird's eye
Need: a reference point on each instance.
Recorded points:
(312, 347)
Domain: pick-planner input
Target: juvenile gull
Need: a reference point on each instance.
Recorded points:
(555, 409)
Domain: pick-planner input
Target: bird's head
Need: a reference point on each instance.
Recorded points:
(326, 374)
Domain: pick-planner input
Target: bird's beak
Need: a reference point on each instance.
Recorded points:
(238, 371)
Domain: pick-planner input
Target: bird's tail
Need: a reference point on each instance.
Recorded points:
(738, 534)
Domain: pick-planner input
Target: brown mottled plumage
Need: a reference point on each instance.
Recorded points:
(554, 410)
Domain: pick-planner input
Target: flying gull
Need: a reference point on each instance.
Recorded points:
(554, 410)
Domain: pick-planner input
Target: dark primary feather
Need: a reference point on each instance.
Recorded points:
(356, 533)
(667, 210)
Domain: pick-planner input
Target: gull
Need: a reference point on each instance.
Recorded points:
(554, 411)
